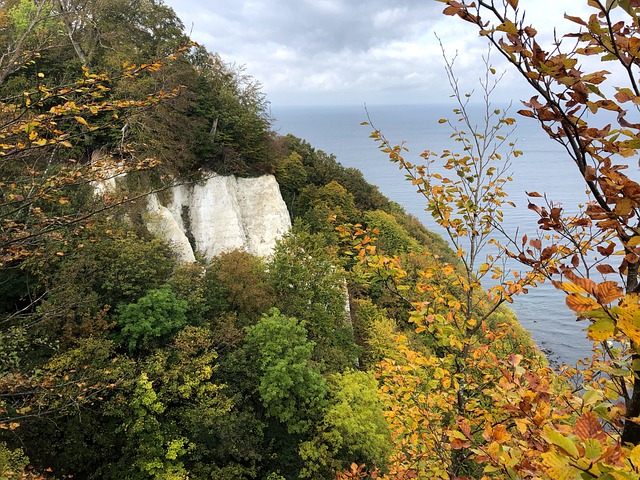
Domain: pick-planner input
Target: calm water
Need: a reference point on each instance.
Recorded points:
(544, 167)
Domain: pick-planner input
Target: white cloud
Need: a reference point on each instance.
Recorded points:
(310, 51)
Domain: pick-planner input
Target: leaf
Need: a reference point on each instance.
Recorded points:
(82, 121)
(601, 330)
(605, 269)
(561, 441)
(629, 324)
(580, 304)
(634, 241)
(588, 426)
(577, 20)
(568, 287)
(607, 292)
(526, 113)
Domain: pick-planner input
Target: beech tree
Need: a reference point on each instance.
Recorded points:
(465, 398)
(568, 103)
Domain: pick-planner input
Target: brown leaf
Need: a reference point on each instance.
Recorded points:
(577, 20)
(533, 194)
(535, 208)
(607, 292)
(548, 252)
(588, 426)
(605, 269)
(590, 174)
(608, 250)
(526, 113)
(575, 261)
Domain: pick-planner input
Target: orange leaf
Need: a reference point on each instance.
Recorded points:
(588, 426)
(458, 444)
(587, 284)
(607, 292)
(579, 303)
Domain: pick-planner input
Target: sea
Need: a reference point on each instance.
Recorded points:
(544, 167)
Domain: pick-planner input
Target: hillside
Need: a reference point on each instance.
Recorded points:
(119, 359)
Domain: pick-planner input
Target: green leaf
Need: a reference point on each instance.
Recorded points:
(561, 441)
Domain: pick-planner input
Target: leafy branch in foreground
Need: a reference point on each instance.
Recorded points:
(590, 114)
(41, 180)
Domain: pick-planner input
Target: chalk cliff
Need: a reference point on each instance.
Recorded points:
(220, 214)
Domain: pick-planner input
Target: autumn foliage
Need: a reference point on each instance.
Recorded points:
(475, 409)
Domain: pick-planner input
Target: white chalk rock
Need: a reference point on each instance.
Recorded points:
(221, 214)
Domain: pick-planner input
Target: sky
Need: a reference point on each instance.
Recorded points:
(351, 52)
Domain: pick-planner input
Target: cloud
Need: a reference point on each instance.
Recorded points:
(345, 51)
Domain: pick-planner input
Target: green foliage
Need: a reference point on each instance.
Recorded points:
(353, 428)
(12, 462)
(291, 388)
(292, 178)
(167, 413)
(375, 331)
(327, 206)
(393, 239)
(311, 286)
(322, 169)
(151, 320)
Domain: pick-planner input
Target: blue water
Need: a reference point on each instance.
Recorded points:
(544, 167)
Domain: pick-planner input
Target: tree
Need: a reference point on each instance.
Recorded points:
(309, 285)
(568, 105)
(434, 385)
(353, 427)
(291, 389)
(151, 319)
(27, 29)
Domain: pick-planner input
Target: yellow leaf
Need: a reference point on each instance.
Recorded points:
(629, 324)
(448, 269)
(569, 287)
(601, 330)
(82, 121)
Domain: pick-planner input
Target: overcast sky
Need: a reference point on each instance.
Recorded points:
(307, 52)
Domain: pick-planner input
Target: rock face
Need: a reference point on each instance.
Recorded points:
(221, 214)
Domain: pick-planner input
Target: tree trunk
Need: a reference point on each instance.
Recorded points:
(631, 430)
